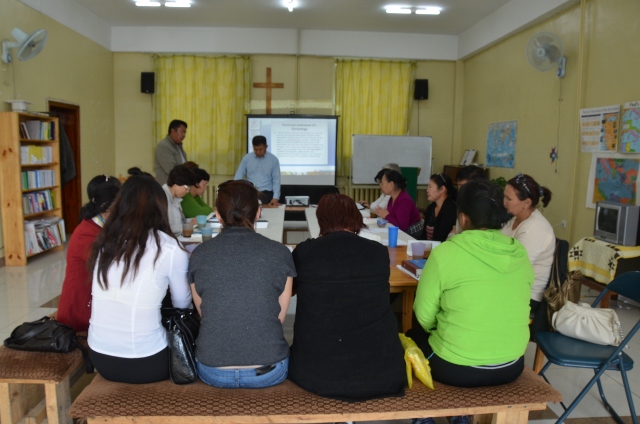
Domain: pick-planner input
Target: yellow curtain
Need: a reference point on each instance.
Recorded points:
(212, 95)
(372, 97)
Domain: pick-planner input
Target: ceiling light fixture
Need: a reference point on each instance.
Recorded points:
(148, 3)
(177, 4)
(399, 9)
(429, 10)
(289, 4)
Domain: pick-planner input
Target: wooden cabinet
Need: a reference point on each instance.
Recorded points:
(30, 185)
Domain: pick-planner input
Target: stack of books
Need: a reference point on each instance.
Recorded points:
(414, 266)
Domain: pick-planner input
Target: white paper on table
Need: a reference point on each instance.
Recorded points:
(370, 236)
(370, 221)
(384, 230)
(406, 271)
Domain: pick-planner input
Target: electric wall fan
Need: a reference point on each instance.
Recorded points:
(28, 46)
(545, 52)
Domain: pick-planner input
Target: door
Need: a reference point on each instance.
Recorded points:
(69, 117)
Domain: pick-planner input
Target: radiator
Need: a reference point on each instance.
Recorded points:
(209, 196)
(366, 194)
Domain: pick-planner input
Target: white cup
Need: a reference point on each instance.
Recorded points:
(427, 246)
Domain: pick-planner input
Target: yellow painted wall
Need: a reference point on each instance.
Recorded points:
(500, 85)
(134, 140)
(71, 69)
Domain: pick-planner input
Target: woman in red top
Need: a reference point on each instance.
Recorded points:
(74, 307)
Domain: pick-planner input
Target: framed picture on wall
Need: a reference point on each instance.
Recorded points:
(613, 176)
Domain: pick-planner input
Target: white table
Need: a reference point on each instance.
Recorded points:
(314, 227)
(275, 217)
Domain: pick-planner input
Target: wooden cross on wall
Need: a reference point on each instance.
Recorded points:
(268, 85)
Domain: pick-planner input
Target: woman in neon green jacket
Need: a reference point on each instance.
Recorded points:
(472, 300)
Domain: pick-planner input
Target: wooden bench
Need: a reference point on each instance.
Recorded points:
(108, 402)
(35, 385)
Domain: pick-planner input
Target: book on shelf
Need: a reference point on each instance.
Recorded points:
(36, 155)
(43, 234)
(38, 179)
(37, 201)
(38, 130)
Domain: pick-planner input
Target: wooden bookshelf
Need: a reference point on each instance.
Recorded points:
(11, 189)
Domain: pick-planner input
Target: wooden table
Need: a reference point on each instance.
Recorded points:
(399, 282)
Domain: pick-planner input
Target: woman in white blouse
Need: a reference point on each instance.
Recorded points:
(135, 259)
(521, 197)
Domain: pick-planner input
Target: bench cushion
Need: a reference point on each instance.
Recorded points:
(37, 367)
(108, 399)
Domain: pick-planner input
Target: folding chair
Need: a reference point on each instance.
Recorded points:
(569, 352)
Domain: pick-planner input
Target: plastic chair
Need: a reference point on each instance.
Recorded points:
(569, 352)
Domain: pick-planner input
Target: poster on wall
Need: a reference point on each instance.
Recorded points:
(630, 128)
(613, 176)
(501, 144)
(599, 129)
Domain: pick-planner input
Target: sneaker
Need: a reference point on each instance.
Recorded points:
(423, 421)
(461, 419)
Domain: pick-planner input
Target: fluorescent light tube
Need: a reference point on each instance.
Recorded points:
(177, 4)
(148, 3)
(398, 9)
(428, 11)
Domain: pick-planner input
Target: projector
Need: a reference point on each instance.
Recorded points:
(296, 200)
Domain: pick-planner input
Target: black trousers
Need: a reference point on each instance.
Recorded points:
(265, 196)
(132, 370)
(461, 375)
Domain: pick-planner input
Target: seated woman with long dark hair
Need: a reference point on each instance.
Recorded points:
(74, 307)
(472, 300)
(241, 284)
(345, 337)
(134, 260)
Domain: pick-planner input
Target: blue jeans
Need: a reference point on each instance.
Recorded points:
(243, 378)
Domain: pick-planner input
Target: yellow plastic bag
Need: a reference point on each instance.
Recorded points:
(414, 358)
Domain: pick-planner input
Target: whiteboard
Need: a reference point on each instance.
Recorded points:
(372, 152)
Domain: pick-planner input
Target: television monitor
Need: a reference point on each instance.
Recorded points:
(617, 223)
(305, 145)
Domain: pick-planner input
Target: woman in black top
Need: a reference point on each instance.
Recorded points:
(440, 216)
(346, 343)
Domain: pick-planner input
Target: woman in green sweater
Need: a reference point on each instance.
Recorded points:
(192, 203)
(472, 300)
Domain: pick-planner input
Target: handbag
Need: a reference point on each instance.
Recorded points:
(182, 327)
(43, 335)
(594, 325)
(561, 289)
(415, 230)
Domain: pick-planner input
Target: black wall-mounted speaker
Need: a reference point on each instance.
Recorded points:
(147, 82)
(421, 91)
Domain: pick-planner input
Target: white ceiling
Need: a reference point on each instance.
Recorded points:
(347, 15)
(348, 28)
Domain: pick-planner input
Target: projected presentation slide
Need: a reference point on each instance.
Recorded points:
(305, 145)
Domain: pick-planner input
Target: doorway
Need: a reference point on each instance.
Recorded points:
(69, 119)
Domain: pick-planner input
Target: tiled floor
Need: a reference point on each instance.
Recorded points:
(23, 291)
